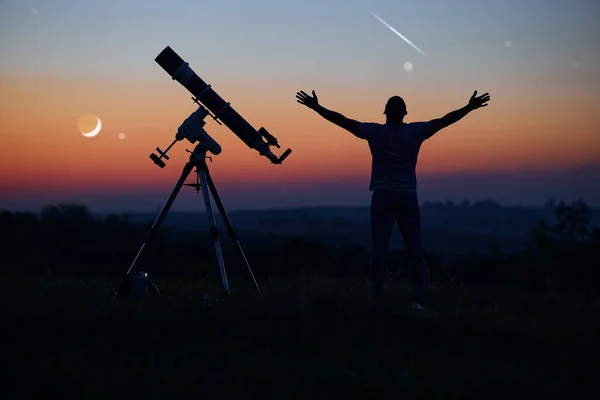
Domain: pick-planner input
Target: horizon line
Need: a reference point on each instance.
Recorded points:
(445, 203)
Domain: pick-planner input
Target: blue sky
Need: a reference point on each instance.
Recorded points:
(278, 37)
(544, 82)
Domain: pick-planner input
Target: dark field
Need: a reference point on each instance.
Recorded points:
(312, 339)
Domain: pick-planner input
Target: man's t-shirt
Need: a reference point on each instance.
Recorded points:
(395, 149)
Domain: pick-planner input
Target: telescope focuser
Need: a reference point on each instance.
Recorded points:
(272, 141)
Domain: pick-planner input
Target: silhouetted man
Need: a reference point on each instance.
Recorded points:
(394, 147)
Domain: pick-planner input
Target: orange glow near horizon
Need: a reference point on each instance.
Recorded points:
(43, 147)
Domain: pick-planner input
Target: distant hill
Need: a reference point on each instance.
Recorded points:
(447, 228)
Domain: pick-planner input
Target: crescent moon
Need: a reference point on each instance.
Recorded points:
(95, 131)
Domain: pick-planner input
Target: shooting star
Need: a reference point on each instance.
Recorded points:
(398, 33)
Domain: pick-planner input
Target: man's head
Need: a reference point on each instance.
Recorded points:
(395, 109)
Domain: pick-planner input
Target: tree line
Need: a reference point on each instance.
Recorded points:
(67, 240)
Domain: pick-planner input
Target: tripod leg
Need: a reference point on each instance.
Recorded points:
(229, 226)
(163, 213)
(213, 226)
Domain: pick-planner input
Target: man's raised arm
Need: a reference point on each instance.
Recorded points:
(334, 117)
(455, 116)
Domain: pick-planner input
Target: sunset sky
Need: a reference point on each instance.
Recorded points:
(62, 60)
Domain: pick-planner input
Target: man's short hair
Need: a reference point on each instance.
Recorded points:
(395, 104)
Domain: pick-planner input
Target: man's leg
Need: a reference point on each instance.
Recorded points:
(408, 217)
(382, 223)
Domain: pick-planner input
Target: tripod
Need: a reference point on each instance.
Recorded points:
(205, 184)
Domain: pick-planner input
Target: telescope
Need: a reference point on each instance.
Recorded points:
(216, 107)
(192, 129)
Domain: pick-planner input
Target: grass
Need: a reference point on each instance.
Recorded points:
(313, 339)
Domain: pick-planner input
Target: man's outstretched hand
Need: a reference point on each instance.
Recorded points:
(477, 102)
(308, 101)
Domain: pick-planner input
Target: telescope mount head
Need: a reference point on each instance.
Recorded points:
(191, 129)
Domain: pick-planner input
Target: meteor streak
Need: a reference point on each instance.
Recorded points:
(398, 33)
